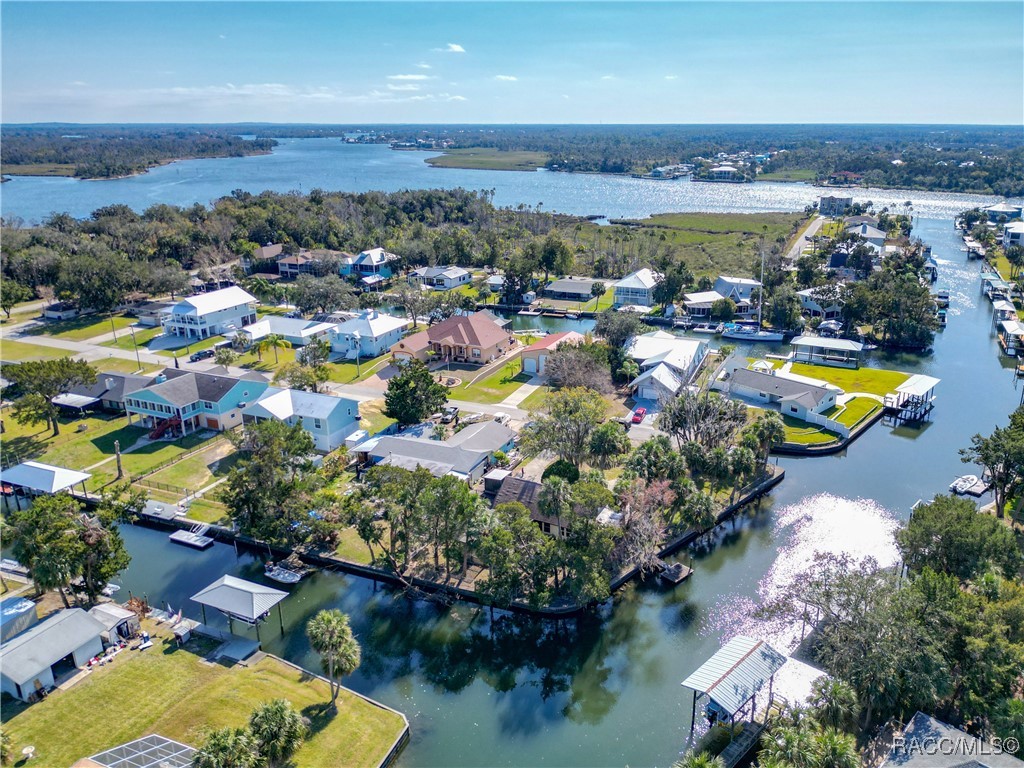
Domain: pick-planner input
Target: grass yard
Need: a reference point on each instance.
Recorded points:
(492, 389)
(789, 174)
(205, 510)
(82, 328)
(535, 400)
(173, 692)
(874, 381)
(485, 158)
(802, 433)
(71, 449)
(372, 420)
(19, 351)
(39, 169)
(603, 301)
(142, 337)
(346, 373)
(856, 410)
(200, 469)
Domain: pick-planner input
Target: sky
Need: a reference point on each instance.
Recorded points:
(513, 62)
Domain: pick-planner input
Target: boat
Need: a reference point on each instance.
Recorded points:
(708, 328)
(571, 316)
(963, 483)
(281, 574)
(941, 317)
(755, 333)
(110, 590)
(941, 298)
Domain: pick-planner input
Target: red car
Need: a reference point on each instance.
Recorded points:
(638, 415)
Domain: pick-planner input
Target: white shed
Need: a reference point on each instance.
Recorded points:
(119, 623)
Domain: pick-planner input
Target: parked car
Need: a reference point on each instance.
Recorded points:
(638, 415)
(449, 414)
(202, 354)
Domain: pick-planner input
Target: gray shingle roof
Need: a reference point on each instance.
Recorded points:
(112, 386)
(779, 386)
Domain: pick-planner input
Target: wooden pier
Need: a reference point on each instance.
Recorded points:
(674, 573)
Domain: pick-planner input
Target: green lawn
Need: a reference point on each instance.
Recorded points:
(19, 351)
(71, 448)
(371, 418)
(789, 174)
(855, 411)
(603, 301)
(40, 169)
(173, 692)
(82, 328)
(802, 433)
(484, 158)
(142, 337)
(206, 510)
(198, 471)
(874, 381)
(492, 389)
(535, 400)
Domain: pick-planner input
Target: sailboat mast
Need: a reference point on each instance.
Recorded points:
(760, 291)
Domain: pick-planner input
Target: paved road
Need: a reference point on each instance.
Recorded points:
(801, 242)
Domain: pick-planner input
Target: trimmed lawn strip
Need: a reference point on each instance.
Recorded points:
(142, 337)
(173, 692)
(19, 351)
(857, 410)
(197, 471)
(874, 381)
(535, 400)
(802, 433)
(81, 328)
(492, 389)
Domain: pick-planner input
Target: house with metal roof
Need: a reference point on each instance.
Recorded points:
(699, 304)
(637, 288)
(369, 334)
(739, 289)
(811, 303)
(841, 353)
(59, 645)
(571, 289)
(185, 401)
(296, 331)
(440, 278)
(372, 267)
(327, 419)
(107, 392)
(677, 360)
(795, 396)
(871, 234)
(210, 314)
(930, 743)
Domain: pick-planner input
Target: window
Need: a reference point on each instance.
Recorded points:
(207, 404)
(476, 353)
(793, 409)
(316, 423)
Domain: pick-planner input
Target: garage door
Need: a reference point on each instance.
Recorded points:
(529, 365)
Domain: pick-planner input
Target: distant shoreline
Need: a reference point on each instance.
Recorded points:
(9, 171)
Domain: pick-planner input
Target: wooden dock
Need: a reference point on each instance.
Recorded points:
(674, 573)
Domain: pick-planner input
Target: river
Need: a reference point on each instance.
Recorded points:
(605, 690)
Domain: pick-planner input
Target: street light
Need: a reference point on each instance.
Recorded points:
(131, 329)
(113, 330)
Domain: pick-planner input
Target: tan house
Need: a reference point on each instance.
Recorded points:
(535, 356)
(472, 338)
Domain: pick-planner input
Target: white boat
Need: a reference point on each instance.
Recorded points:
(110, 590)
(752, 334)
(281, 574)
(708, 328)
(962, 483)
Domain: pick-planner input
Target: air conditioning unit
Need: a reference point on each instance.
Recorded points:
(242, 405)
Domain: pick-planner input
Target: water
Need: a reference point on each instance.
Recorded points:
(605, 690)
(304, 164)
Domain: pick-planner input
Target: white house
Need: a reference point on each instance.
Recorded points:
(1013, 234)
(699, 304)
(810, 305)
(327, 419)
(210, 314)
(371, 332)
(37, 658)
(738, 289)
(296, 331)
(440, 278)
(637, 288)
(872, 235)
(796, 396)
(667, 362)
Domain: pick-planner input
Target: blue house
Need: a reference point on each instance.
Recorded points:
(372, 267)
(370, 332)
(186, 401)
(327, 419)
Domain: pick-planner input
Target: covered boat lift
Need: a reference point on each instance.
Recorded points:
(32, 478)
(913, 399)
(243, 600)
(842, 353)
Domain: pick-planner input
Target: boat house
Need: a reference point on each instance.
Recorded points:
(841, 353)
(241, 600)
(1011, 336)
(32, 478)
(913, 399)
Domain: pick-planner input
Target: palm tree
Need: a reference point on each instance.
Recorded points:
(700, 760)
(331, 636)
(792, 746)
(227, 748)
(770, 431)
(275, 342)
(833, 749)
(834, 702)
(277, 729)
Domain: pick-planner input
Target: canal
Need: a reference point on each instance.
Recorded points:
(605, 690)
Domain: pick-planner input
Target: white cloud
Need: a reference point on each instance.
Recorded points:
(607, 77)
(409, 77)
(403, 87)
(506, 78)
(448, 97)
(451, 48)
(424, 65)
(565, 95)
(78, 83)
(223, 37)
(671, 77)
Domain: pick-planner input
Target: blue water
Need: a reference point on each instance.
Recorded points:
(304, 164)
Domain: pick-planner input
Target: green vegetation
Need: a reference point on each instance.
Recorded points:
(413, 394)
(39, 169)
(493, 388)
(873, 381)
(142, 338)
(801, 433)
(201, 469)
(854, 411)
(536, 399)
(489, 159)
(789, 174)
(371, 417)
(175, 693)
(19, 351)
(83, 327)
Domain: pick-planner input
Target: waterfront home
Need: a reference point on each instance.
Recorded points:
(930, 743)
(1002, 212)
(1013, 234)
(872, 235)
(267, 252)
(210, 314)
(527, 493)
(372, 267)
(725, 172)
(698, 305)
(369, 334)
(327, 419)
(830, 205)
(570, 289)
(107, 393)
(296, 331)
(637, 288)
(841, 353)
(466, 455)
(150, 313)
(535, 356)
(315, 263)
(472, 338)
(36, 660)
(739, 289)
(1011, 336)
(845, 178)
(667, 363)
(440, 278)
(811, 305)
(187, 401)
(33, 478)
(795, 396)
(495, 283)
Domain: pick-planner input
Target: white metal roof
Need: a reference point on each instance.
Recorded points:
(110, 614)
(43, 477)
(72, 400)
(1002, 305)
(240, 598)
(25, 655)
(844, 345)
(918, 385)
(702, 297)
(214, 301)
(285, 403)
(736, 672)
(371, 324)
(661, 373)
(286, 326)
(643, 279)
